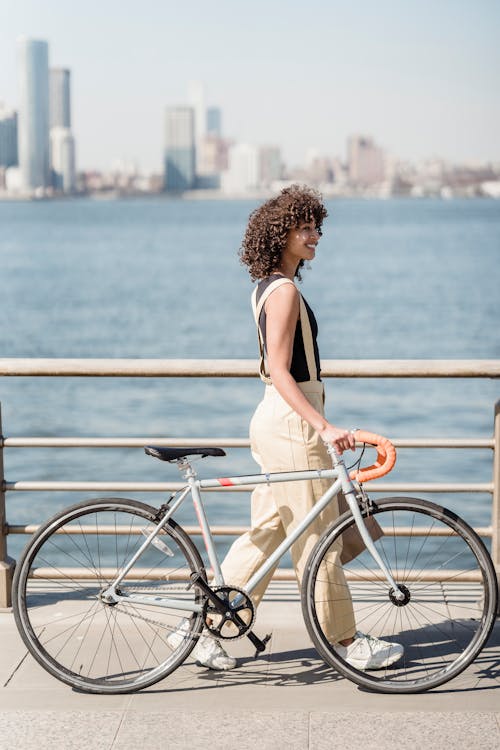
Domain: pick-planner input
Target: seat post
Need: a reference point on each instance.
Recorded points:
(184, 466)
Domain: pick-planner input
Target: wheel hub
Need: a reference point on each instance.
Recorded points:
(400, 602)
(107, 598)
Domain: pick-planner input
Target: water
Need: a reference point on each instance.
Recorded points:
(159, 278)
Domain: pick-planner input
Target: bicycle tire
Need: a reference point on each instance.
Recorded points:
(443, 626)
(77, 637)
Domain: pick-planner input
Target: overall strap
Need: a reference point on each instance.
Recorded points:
(257, 308)
(305, 325)
(307, 339)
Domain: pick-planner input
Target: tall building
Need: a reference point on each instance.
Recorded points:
(366, 161)
(270, 165)
(59, 98)
(180, 173)
(214, 122)
(62, 143)
(33, 126)
(196, 100)
(62, 150)
(213, 156)
(251, 168)
(8, 137)
(242, 174)
(318, 169)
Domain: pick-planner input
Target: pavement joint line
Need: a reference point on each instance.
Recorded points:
(16, 669)
(118, 728)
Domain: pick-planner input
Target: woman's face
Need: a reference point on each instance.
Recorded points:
(301, 243)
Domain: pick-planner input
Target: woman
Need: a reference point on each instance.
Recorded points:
(289, 430)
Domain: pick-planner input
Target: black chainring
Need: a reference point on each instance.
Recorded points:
(236, 621)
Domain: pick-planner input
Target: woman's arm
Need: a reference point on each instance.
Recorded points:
(282, 314)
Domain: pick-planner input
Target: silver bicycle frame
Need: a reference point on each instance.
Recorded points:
(342, 481)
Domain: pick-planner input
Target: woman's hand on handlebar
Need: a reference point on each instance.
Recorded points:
(341, 440)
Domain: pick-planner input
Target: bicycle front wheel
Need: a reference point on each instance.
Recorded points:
(450, 595)
(72, 631)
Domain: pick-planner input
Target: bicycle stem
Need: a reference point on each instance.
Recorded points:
(350, 496)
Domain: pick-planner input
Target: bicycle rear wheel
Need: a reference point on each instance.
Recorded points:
(78, 637)
(450, 595)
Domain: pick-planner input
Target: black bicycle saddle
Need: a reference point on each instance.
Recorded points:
(174, 454)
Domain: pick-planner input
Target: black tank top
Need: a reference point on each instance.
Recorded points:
(298, 367)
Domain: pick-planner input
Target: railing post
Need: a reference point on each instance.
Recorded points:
(495, 520)
(6, 563)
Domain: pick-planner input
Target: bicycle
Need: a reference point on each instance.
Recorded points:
(102, 585)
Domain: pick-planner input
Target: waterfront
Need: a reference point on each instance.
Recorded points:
(159, 278)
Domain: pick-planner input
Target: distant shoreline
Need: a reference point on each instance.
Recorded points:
(196, 195)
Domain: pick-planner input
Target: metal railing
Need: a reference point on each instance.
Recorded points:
(15, 367)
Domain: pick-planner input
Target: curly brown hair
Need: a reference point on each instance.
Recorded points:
(268, 226)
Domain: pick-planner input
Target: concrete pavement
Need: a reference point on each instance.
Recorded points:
(287, 698)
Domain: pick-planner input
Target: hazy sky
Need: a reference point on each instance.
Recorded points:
(421, 76)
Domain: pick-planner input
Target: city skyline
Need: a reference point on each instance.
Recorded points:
(423, 81)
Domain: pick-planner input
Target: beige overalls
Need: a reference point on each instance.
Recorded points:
(282, 441)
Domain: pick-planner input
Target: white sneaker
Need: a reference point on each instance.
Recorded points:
(367, 652)
(208, 652)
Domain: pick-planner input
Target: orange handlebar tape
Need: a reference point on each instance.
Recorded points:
(386, 456)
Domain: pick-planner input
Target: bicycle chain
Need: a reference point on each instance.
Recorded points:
(149, 620)
(146, 619)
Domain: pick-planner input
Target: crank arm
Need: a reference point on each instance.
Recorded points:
(219, 605)
(260, 645)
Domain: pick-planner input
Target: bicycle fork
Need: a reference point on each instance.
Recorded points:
(350, 495)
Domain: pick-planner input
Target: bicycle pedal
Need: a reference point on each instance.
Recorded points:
(262, 645)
